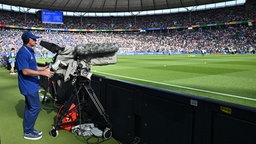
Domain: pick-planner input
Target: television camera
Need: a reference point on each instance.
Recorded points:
(68, 59)
(73, 65)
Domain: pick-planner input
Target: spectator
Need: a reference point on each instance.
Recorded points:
(11, 57)
(4, 57)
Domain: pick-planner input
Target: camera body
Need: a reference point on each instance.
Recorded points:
(76, 61)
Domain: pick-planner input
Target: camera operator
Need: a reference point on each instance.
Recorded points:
(28, 82)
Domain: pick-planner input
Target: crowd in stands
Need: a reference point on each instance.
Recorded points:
(227, 14)
(238, 38)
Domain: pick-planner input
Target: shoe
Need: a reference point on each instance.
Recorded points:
(38, 132)
(32, 136)
(13, 73)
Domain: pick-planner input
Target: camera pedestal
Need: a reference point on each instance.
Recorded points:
(81, 90)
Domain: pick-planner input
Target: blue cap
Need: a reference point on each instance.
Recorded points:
(28, 34)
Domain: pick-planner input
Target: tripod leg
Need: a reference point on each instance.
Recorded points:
(54, 91)
(45, 92)
(97, 103)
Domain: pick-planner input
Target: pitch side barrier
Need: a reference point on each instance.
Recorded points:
(147, 115)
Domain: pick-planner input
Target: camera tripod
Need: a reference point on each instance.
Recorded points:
(82, 88)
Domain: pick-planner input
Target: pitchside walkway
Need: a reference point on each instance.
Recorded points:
(12, 105)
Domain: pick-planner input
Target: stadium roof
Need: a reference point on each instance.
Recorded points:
(106, 5)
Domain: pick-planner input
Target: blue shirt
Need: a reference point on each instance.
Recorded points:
(25, 59)
(12, 57)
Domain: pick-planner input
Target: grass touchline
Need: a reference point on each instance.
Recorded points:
(184, 87)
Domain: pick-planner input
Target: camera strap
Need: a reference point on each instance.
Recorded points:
(31, 56)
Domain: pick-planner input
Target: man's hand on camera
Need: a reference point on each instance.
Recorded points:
(43, 68)
(46, 72)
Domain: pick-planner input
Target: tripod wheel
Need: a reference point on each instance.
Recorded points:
(107, 133)
(54, 132)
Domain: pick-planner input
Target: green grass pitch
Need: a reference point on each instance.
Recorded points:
(228, 78)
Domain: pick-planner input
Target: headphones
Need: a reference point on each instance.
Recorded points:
(25, 37)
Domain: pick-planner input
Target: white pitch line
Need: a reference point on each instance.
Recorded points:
(178, 86)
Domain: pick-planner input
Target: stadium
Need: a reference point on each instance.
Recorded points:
(185, 70)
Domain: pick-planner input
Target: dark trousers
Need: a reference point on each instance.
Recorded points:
(31, 111)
